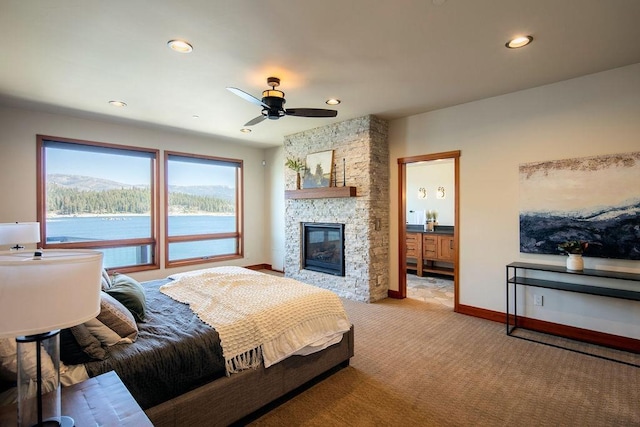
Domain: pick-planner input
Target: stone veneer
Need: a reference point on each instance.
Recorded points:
(362, 142)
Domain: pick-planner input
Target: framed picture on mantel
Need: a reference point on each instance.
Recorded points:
(319, 170)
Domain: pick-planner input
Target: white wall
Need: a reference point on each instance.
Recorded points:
(274, 189)
(586, 116)
(431, 175)
(18, 129)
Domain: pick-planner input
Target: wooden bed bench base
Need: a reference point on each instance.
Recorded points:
(229, 399)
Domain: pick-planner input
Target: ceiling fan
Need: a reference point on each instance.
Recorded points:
(272, 104)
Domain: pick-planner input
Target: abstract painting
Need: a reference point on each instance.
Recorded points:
(591, 199)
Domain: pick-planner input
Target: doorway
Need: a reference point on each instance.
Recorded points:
(428, 257)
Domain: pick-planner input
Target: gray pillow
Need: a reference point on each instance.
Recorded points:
(87, 342)
(117, 317)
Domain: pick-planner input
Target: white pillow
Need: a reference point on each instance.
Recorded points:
(9, 363)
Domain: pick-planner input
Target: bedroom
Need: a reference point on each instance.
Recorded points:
(587, 115)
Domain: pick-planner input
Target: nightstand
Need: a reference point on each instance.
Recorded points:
(99, 401)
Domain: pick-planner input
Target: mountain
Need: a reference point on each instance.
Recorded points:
(87, 183)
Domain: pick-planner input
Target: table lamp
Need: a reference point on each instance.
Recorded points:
(19, 233)
(42, 292)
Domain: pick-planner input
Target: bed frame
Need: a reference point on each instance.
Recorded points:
(229, 399)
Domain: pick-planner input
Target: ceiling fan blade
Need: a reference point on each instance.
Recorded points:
(311, 112)
(255, 121)
(244, 95)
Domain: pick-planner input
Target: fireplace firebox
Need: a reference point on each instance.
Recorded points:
(323, 248)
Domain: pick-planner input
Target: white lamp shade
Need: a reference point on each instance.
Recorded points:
(60, 290)
(14, 233)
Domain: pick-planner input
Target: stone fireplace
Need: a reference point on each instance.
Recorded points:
(362, 143)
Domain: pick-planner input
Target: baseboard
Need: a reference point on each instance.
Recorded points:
(259, 267)
(395, 294)
(586, 335)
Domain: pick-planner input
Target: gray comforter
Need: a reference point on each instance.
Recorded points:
(174, 353)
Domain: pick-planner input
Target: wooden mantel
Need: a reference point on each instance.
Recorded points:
(320, 193)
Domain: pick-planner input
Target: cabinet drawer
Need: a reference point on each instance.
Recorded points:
(429, 246)
(412, 245)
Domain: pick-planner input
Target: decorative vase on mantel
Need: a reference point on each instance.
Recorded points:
(575, 262)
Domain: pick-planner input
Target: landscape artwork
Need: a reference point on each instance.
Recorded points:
(590, 199)
(319, 170)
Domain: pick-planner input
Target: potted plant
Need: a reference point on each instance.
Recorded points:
(430, 220)
(298, 166)
(575, 249)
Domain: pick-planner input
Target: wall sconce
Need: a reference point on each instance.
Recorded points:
(440, 193)
(422, 193)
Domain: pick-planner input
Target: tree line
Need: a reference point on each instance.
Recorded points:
(71, 201)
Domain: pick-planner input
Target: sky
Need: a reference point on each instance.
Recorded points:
(132, 170)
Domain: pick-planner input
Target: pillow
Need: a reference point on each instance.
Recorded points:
(106, 280)
(130, 293)
(117, 317)
(77, 346)
(105, 335)
(9, 362)
(8, 359)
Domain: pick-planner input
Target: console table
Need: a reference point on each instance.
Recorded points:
(514, 279)
(99, 401)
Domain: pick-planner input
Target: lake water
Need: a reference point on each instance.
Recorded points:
(134, 226)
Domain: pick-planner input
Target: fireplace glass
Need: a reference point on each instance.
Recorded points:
(323, 248)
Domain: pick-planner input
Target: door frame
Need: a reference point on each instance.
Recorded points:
(402, 220)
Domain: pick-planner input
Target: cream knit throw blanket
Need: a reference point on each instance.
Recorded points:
(258, 314)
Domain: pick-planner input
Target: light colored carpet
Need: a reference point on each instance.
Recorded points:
(419, 363)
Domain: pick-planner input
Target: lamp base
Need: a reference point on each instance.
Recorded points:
(39, 380)
(67, 421)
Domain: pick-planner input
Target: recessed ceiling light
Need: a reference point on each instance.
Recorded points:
(118, 103)
(195, 116)
(519, 42)
(245, 130)
(180, 46)
(332, 101)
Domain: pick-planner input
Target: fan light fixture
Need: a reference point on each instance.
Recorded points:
(180, 46)
(272, 93)
(332, 101)
(519, 42)
(118, 103)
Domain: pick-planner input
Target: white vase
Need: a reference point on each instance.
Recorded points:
(575, 262)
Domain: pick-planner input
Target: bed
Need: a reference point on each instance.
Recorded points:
(178, 372)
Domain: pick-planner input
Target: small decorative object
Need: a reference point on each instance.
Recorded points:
(440, 193)
(422, 193)
(298, 166)
(344, 173)
(574, 249)
(319, 169)
(430, 220)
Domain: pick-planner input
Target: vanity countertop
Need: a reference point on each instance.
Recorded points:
(438, 229)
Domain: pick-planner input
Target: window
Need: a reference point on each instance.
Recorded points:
(99, 196)
(203, 215)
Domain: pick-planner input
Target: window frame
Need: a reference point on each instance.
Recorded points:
(238, 234)
(41, 185)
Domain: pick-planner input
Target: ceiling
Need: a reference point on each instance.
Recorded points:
(389, 58)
